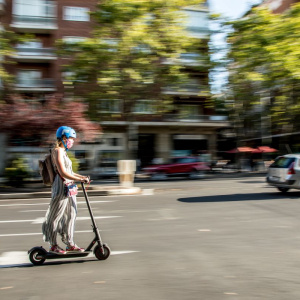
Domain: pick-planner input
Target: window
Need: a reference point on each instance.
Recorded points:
(113, 142)
(72, 13)
(36, 44)
(34, 8)
(188, 111)
(184, 160)
(197, 20)
(110, 106)
(283, 162)
(73, 39)
(29, 77)
(144, 107)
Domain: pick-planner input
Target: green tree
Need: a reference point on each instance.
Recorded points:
(133, 53)
(7, 40)
(263, 63)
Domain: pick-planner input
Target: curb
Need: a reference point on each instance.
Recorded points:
(94, 191)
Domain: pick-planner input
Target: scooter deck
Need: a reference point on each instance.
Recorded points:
(50, 255)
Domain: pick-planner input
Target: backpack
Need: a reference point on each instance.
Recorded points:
(47, 170)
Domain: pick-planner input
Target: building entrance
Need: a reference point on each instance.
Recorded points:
(146, 148)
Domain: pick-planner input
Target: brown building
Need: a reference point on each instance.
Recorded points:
(189, 129)
(278, 6)
(38, 69)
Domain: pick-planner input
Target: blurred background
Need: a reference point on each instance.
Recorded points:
(148, 82)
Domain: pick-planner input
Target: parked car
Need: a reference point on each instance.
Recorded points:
(284, 172)
(106, 169)
(178, 166)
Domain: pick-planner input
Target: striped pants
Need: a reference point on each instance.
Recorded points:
(61, 215)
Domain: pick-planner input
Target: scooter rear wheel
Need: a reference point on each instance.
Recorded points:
(98, 253)
(36, 257)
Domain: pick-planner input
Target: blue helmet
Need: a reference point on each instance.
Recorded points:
(67, 131)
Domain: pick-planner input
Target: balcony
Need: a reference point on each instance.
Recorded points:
(35, 85)
(2, 6)
(38, 18)
(34, 54)
(194, 118)
(188, 89)
(166, 120)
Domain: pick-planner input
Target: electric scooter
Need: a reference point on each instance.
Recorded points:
(38, 255)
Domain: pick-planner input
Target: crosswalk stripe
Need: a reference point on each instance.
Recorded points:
(20, 258)
(32, 204)
(38, 233)
(41, 220)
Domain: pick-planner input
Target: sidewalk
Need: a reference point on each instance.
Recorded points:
(45, 192)
(38, 190)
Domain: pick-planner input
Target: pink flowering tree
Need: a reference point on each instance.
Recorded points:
(37, 123)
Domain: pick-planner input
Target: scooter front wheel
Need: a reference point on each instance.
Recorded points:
(36, 257)
(102, 255)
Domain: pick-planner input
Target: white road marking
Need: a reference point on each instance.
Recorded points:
(27, 204)
(39, 199)
(123, 252)
(38, 233)
(32, 204)
(147, 192)
(20, 258)
(29, 199)
(37, 210)
(99, 201)
(204, 230)
(233, 294)
(41, 220)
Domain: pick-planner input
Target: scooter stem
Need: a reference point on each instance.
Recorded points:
(95, 228)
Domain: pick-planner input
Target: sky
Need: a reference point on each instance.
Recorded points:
(231, 8)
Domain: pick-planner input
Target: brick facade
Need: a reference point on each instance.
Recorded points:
(49, 69)
(279, 6)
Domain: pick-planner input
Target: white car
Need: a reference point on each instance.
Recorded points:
(284, 173)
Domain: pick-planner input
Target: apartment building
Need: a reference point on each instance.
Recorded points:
(190, 128)
(279, 6)
(37, 67)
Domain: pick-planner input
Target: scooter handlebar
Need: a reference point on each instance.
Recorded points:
(87, 180)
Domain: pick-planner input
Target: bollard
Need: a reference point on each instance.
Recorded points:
(126, 171)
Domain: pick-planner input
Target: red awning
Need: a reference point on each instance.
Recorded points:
(266, 149)
(241, 150)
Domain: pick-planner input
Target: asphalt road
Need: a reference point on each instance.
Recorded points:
(229, 238)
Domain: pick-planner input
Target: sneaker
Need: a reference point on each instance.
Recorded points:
(74, 248)
(57, 250)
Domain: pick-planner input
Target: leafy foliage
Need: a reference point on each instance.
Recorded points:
(7, 40)
(16, 172)
(264, 63)
(129, 54)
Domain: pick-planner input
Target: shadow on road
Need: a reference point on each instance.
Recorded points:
(253, 182)
(241, 197)
(51, 263)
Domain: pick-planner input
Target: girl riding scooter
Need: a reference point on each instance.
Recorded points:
(61, 214)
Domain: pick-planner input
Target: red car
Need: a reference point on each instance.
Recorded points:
(179, 166)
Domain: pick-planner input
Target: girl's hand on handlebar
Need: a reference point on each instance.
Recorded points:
(85, 179)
